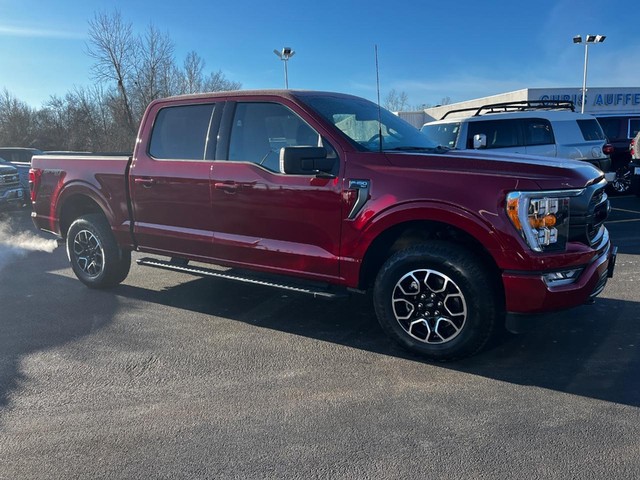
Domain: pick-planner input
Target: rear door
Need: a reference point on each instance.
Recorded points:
(169, 180)
(262, 217)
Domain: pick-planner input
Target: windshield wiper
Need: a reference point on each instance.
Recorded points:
(438, 149)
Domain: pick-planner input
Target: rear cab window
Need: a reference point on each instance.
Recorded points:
(181, 132)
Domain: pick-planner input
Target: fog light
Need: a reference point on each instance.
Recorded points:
(564, 277)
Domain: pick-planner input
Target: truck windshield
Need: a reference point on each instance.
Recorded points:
(357, 119)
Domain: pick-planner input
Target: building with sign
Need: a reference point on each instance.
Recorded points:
(600, 102)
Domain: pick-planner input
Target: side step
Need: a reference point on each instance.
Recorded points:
(316, 289)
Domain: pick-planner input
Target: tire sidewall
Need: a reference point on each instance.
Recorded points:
(473, 281)
(113, 261)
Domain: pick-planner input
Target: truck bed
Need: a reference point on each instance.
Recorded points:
(96, 176)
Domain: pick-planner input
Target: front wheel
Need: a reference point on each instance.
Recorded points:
(94, 254)
(438, 300)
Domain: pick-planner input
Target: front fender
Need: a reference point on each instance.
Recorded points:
(481, 225)
(484, 226)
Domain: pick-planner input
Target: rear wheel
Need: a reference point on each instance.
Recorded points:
(94, 254)
(621, 184)
(438, 300)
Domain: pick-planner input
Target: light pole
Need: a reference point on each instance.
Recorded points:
(285, 54)
(587, 40)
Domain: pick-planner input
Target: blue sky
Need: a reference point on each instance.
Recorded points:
(430, 50)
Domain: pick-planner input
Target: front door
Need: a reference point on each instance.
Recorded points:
(267, 219)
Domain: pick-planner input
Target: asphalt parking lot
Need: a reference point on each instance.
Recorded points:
(172, 376)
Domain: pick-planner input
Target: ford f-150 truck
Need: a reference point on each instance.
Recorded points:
(326, 193)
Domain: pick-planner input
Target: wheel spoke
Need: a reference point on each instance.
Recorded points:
(429, 306)
(88, 253)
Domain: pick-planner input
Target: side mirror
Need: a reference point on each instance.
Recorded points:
(479, 141)
(305, 160)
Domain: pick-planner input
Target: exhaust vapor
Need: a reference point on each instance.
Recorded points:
(17, 244)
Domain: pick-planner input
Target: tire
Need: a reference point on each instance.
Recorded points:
(621, 184)
(436, 299)
(94, 255)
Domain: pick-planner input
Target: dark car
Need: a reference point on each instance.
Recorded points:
(620, 130)
(12, 195)
(20, 157)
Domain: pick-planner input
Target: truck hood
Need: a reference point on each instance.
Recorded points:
(548, 172)
(6, 168)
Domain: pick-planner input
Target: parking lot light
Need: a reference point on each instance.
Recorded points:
(587, 40)
(285, 54)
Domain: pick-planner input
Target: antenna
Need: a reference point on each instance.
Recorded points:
(379, 109)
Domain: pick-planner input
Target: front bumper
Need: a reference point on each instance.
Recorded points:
(527, 293)
(12, 197)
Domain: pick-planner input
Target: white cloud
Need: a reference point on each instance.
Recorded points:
(30, 32)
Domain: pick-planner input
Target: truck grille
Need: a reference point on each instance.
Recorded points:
(9, 179)
(598, 213)
(588, 214)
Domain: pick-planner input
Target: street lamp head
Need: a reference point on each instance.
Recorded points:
(600, 38)
(577, 39)
(285, 54)
(590, 39)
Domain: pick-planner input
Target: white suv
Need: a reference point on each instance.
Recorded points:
(546, 128)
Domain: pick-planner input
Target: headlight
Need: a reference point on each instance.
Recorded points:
(542, 218)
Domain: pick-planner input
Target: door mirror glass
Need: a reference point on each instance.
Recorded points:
(479, 141)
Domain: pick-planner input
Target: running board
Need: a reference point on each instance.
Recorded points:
(318, 291)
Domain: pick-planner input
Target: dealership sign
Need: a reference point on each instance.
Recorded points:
(597, 100)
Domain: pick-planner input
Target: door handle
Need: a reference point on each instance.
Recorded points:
(145, 182)
(228, 187)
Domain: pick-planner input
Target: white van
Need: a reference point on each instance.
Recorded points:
(546, 128)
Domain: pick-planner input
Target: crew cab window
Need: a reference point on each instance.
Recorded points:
(181, 132)
(260, 130)
(538, 131)
(499, 133)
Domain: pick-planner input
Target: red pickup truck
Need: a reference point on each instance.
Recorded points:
(326, 194)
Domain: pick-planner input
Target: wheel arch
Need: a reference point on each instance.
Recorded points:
(76, 201)
(418, 225)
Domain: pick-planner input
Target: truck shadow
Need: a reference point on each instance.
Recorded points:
(591, 351)
(40, 312)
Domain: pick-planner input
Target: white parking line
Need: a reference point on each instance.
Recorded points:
(625, 210)
(623, 221)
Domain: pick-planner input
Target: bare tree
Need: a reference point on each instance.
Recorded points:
(192, 77)
(112, 45)
(17, 121)
(396, 102)
(217, 82)
(153, 71)
(194, 80)
(130, 70)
